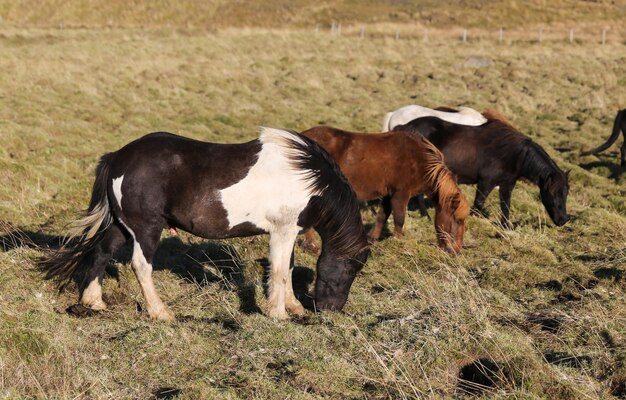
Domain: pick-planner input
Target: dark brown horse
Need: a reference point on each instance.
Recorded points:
(395, 166)
(496, 154)
(619, 124)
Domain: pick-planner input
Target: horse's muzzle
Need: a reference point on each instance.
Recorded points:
(562, 221)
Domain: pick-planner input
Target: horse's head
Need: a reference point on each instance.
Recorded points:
(553, 193)
(335, 277)
(450, 215)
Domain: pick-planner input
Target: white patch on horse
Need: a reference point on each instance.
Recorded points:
(143, 272)
(464, 116)
(117, 190)
(92, 295)
(274, 192)
(280, 293)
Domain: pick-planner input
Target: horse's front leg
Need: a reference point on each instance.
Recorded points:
(383, 214)
(282, 241)
(505, 204)
(292, 304)
(399, 204)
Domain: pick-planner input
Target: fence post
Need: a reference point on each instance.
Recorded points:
(540, 34)
(464, 35)
(362, 32)
(426, 35)
(603, 36)
(571, 35)
(332, 28)
(397, 34)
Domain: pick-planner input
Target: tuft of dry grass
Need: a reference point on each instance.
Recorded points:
(537, 312)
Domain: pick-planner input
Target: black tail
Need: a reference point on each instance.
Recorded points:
(614, 135)
(62, 264)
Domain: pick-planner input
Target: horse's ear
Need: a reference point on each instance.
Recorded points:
(567, 172)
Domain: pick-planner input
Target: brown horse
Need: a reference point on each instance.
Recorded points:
(396, 166)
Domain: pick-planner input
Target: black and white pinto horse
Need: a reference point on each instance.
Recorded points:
(403, 115)
(281, 184)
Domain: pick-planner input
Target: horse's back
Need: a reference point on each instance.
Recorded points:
(465, 115)
(374, 163)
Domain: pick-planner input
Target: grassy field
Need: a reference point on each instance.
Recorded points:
(540, 308)
(213, 14)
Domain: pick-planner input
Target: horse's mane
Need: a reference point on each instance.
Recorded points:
(490, 113)
(334, 199)
(441, 178)
(537, 164)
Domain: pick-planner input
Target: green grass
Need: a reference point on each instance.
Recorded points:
(545, 304)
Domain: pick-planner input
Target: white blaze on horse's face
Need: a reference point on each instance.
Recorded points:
(464, 116)
(117, 189)
(273, 193)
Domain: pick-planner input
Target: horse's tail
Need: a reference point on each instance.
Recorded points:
(443, 183)
(614, 135)
(85, 234)
(386, 121)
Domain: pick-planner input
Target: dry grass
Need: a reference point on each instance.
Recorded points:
(300, 13)
(542, 307)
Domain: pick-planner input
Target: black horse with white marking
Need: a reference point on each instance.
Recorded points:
(496, 154)
(280, 184)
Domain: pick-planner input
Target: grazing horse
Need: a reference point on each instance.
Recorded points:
(403, 115)
(619, 124)
(279, 184)
(395, 166)
(496, 154)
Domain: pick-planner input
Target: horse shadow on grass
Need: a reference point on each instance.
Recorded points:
(197, 263)
(616, 171)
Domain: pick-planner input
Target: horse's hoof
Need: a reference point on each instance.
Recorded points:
(478, 213)
(309, 246)
(372, 238)
(279, 314)
(296, 309)
(162, 315)
(96, 304)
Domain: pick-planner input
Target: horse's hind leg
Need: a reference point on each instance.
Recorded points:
(482, 191)
(91, 286)
(383, 214)
(292, 304)
(505, 204)
(282, 241)
(399, 203)
(421, 203)
(145, 244)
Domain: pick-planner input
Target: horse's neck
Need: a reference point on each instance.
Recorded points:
(536, 166)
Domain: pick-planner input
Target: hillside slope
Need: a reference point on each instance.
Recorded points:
(300, 13)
